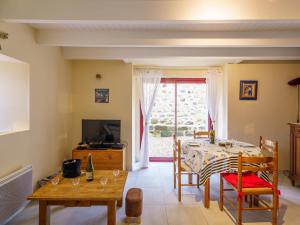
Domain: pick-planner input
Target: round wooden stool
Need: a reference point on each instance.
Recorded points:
(134, 205)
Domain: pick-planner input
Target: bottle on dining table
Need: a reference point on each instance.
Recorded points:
(212, 135)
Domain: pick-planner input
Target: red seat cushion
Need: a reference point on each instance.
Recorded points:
(249, 180)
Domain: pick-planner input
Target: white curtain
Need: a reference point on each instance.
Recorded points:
(216, 102)
(148, 81)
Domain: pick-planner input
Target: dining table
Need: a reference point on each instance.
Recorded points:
(206, 159)
(83, 193)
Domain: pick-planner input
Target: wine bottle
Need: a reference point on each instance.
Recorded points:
(90, 169)
(212, 135)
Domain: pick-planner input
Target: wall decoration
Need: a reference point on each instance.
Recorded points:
(248, 89)
(102, 95)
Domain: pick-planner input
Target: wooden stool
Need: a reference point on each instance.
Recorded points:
(134, 205)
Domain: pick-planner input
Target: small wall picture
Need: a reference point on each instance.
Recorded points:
(102, 95)
(248, 89)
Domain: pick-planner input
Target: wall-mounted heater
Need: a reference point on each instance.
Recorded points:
(14, 190)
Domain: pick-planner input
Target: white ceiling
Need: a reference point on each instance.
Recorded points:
(164, 32)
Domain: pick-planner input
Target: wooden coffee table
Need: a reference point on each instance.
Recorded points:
(84, 195)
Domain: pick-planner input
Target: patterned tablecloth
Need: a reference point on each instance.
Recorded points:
(207, 159)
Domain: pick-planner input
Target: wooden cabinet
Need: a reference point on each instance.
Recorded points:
(102, 159)
(294, 152)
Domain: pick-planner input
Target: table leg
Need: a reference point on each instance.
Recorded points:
(255, 200)
(120, 203)
(44, 213)
(190, 179)
(207, 193)
(111, 213)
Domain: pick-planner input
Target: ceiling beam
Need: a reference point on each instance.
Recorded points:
(82, 38)
(236, 53)
(93, 10)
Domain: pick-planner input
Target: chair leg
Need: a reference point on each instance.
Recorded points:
(250, 201)
(221, 203)
(174, 177)
(239, 211)
(179, 186)
(198, 181)
(275, 209)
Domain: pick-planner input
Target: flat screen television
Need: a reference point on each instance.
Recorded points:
(101, 131)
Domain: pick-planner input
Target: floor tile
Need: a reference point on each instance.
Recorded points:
(181, 214)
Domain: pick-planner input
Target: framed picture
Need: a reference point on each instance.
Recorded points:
(102, 95)
(248, 89)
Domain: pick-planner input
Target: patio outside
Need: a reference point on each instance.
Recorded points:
(191, 115)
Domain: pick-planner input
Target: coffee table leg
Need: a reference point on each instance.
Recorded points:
(207, 193)
(44, 213)
(111, 213)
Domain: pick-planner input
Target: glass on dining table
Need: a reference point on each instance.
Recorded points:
(228, 145)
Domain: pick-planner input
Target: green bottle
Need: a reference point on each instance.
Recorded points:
(90, 169)
(212, 136)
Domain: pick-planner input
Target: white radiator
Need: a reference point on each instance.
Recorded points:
(14, 190)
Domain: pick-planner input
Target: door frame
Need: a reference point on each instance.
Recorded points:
(174, 81)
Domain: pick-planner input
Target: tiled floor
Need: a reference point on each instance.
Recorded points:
(162, 208)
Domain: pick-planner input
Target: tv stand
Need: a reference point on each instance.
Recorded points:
(103, 159)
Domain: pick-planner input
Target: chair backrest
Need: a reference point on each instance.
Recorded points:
(267, 145)
(201, 134)
(260, 164)
(177, 151)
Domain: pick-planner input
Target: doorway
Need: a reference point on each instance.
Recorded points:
(180, 108)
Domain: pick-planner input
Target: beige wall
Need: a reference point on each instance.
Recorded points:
(46, 143)
(117, 76)
(274, 108)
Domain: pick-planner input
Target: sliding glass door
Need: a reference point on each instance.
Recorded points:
(180, 108)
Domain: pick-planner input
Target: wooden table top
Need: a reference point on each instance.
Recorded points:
(85, 191)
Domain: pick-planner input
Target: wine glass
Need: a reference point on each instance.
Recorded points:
(116, 173)
(55, 180)
(227, 145)
(59, 171)
(75, 181)
(103, 182)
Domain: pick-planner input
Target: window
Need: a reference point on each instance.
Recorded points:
(14, 95)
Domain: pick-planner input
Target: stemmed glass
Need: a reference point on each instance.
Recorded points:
(55, 180)
(227, 145)
(103, 182)
(76, 181)
(116, 173)
(59, 171)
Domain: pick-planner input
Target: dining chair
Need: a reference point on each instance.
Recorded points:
(246, 182)
(201, 134)
(180, 168)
